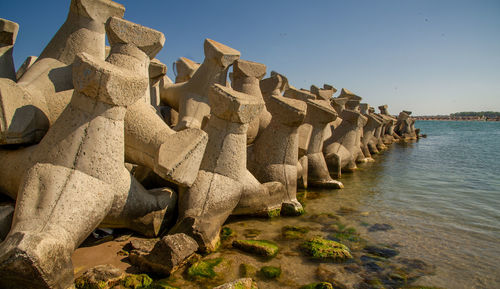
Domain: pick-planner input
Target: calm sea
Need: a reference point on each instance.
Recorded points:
(442, 196)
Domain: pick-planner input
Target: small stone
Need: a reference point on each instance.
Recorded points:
(164, 256)
(99, 277)
(258, 247)
(385, 252)
(380, 227)
(243, 283)
(270, 272)
(247, 270)
(320, 248)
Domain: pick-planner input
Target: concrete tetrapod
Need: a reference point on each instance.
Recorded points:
(319, 115)
(175, 156)
(277, 85)
(148, 140)
(185, 69)
(246, 79)
(352, 103)
(368, 142)
(380, 131)
(389, 135)
(224, 185)
(404, 126)
(326, 93)
(29, 107)
(8, 35)
(340, 149)
(190, 98)
(274, 154)
(77, 166)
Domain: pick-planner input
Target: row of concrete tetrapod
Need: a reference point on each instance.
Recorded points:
(100, 137)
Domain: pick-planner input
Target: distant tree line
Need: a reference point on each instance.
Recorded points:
(488, 114)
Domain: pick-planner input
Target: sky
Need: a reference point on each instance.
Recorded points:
(427, 56)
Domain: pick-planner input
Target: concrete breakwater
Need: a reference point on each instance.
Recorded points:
(99, 137)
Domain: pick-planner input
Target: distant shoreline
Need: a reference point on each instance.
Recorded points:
(444, 118)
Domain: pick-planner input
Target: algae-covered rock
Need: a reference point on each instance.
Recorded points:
(99, 277)
(204, 268)
(258, 247)
(320, 248)
(270, 272)
(289, 209)
(247, 270)
(243, 283)
(133, 281)
(318, 285)
(293, 232)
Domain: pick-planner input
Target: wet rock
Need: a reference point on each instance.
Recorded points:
(380, 227)
(414, 268)
(247, 270)
(373, 263)
(204, 269)
(270, 272)
(381, 251)
(293, 232)
(159, 257)
(319, 248)
(258, 247)
(99, 277)
(371, 283)
(243, 283)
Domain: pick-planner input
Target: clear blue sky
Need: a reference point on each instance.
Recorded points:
(428, 56)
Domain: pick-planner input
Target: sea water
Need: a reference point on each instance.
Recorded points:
(442, 196)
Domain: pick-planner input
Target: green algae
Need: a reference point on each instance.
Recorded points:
(258, 247)
(270, 272)
(293, 232)
(319, 248)
(226, 233)
(204, 268)
(132, 281)
(82, 283)
(274, 213)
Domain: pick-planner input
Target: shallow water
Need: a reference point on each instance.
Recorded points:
(441, 195)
